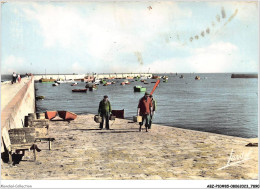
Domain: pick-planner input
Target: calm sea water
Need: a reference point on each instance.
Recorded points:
(216, 103)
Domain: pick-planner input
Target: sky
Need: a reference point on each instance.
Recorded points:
(141, 36)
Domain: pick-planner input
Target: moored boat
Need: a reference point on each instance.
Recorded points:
(118, 113)
(55, 84)
(74, 84)
(139, 89)
(123, 83)
(42, 80)
(66, 115)
(181, 76)
(197, 78)
(50, 114)
(79, 90)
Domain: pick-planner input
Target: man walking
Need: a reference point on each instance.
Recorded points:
(104, 111)
(144, 109)
(14, 78)
(153, 110)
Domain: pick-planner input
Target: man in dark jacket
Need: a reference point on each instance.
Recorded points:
(144, 110)
(104, 111)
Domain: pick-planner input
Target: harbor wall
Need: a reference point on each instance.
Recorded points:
(81, 76)
(12, 116)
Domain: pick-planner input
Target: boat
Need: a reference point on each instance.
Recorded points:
(55, 84)
(109, 83)
(65, 81)
(181, 76)
(118, 113)
(197, 78)
(80, 90)
(42, 80)
(93, 88)
(50, 114)
(139, 89)
(66, 115)
(103, 82)
(40, 97)
(113, 82)
(145, 82)
(74, 84)
(155, 77)
(123, 83)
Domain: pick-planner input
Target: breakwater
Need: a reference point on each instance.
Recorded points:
(244, 76)
(17, 101)
(97, 76)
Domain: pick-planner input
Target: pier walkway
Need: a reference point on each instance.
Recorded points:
(82, 151)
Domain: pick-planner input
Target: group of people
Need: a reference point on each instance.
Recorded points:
(16, 77)
(146, 108)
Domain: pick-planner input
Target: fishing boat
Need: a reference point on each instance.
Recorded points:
(118, 113)
(42, 80)
(80, 90)
(66, 115)
(40, 97)
(197, 78)
(50, 114)
(92, 88)
(139, 89)
(65, 81)
(155, 77)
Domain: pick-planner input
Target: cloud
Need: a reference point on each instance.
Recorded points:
(217, 57)
(103, 30)
(12, 63)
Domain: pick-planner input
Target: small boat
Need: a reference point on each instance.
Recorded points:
(118, 113)
(181, 76)
(113, 82)
(197, 78)
(105, 84)
(145, 82)
(93, 88)
(80, 90)
(42, 80)
(123, 83)
(55, 84)
(40, 97)
(109, 83)
(139, 89)
(66, 115)
(155, 77)
(50, 114)
(74, 84)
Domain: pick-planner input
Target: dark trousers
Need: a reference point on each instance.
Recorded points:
(104, 117)
(145, 118)
(13, 80)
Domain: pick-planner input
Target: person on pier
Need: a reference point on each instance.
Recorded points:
(14, 76)
(104, 111)
(144, 109)
(153, 110)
